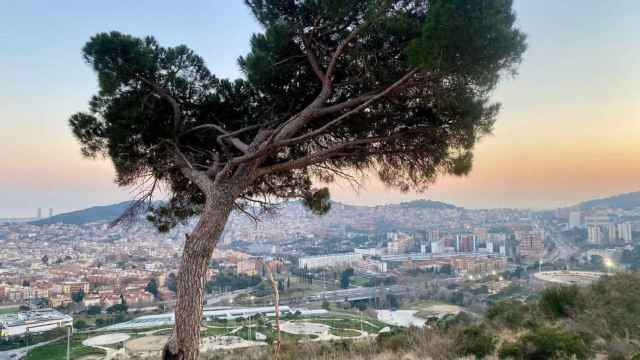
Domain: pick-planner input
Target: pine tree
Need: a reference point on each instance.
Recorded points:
(396, 88)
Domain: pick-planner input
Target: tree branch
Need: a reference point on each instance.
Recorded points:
(296, 122)
(313, 60)
(364, 100)
(327, 110)
(225, 135)
(342, 117)
(333, 152)
(177, 117)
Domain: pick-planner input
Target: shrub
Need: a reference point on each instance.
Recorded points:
(475, 342)
(560, 302)
(509, 313)
(80, 324)
(547, 343)
(394, 340)
(510, 351)
(94, 310)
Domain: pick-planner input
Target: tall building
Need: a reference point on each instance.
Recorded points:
(612, 232)
(436, 247)
(433, 235)
(39, 213)
(466, 243)
(423, 248)
(532, 244)
(399, 243)
(594, 233)
(50, 212)
(481, 233)
(625, 232)
(489, 246)
(575, 219)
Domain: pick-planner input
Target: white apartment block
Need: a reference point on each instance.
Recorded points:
(330, 260)
(625, 232)
(594, 234)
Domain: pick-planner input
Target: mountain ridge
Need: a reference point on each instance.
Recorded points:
(106, 213)
(102, 213)
(624, 201)
(110, 212)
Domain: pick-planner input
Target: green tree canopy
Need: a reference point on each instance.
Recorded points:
(152, 287)
(398, 87)
(171, 282)
(560, 302)
(94, 310)
(78, 296)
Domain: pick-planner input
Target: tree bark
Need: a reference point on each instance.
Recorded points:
(184, 342)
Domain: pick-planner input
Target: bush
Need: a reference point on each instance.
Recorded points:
(475, 342)
(510, 351)
(560, 302)
(94, 310)
(117, 309)
(394, 340)
(547, 343)
(80, 324)
(508, 313)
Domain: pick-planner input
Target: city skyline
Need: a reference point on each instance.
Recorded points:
(566, 133)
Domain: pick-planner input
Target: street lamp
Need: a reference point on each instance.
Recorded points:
(609, 264)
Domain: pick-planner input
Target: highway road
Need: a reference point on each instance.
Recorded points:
(354, 294)
(564, 249)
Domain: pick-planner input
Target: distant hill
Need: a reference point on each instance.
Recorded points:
(93, 214)
(623, 201)
(111, 212)
(426, 204)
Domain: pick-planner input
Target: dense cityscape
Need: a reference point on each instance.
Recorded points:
(98, 268)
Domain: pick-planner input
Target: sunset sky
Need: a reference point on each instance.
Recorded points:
(569, 129)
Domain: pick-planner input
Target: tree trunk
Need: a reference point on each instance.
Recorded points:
(185, 341)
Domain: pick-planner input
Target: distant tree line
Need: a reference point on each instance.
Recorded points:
(230, 282)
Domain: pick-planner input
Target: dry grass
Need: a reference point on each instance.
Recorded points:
(413, 344)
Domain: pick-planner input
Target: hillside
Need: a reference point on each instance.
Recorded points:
(426, 204)
(93, 214)
(622, 201)
(598, 321)
(111, 212)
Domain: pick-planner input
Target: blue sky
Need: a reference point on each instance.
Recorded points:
(569, 128)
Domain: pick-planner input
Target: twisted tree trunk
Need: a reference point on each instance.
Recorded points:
(184, 342)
